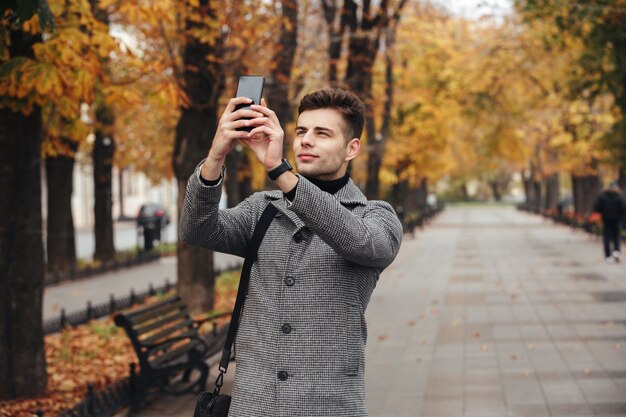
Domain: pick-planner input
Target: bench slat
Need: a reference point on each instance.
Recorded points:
(157, 324)
(177, 306)
(173, 354)
(165, 333)
(182, 338)
(151, 306)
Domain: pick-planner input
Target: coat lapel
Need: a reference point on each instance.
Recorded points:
(278, 201)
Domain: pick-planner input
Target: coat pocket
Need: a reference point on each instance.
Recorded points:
(353, 343)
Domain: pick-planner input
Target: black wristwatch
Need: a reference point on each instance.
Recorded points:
(276, 172)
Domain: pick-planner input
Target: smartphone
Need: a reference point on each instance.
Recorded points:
(250, 86)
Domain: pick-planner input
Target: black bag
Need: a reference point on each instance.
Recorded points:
(214, 404)
(206, 407)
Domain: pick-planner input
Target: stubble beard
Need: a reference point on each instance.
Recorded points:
(322, 171)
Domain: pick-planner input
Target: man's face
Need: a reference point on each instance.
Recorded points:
(320, 147)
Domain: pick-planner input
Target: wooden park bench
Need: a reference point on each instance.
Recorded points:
(169, 348)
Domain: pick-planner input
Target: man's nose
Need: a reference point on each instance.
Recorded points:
(307, 139)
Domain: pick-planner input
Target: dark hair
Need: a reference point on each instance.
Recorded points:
(350, 107)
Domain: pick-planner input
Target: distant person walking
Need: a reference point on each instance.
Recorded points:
(612, 207)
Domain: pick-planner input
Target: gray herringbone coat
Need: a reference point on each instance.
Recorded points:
(300, 346)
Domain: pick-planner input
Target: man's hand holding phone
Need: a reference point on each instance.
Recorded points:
(228, 131)
(266, 137)
(255, 125)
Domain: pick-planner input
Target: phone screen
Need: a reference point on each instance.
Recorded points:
(250, 86)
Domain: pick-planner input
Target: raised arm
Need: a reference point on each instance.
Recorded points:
(370, 240)
(203, 224)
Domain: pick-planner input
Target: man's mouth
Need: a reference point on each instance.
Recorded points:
(306, 156)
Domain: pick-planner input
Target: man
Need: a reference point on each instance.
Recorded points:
(300, 345)
(612, 207)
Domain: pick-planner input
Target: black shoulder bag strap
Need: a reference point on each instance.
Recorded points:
(257, 237)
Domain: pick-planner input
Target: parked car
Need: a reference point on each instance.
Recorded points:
(153, 217)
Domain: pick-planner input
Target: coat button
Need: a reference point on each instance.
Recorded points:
(298, 237)
(286, 328)
(282, 375)
(289, 281)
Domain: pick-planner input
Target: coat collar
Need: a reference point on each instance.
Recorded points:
(348, 195)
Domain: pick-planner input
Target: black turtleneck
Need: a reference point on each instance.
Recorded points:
(331, 186)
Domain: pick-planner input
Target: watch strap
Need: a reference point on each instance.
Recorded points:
(276, 172)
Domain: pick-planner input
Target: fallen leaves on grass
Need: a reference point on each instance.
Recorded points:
(97, 353)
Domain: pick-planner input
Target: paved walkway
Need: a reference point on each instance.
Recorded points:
(73, 296)
(491, 312)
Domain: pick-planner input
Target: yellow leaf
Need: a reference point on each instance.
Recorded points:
(67, 385)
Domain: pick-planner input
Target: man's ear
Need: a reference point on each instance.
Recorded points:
(353, 147)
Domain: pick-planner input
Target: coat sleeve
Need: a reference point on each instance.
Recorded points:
(370, 240)
(202, 224)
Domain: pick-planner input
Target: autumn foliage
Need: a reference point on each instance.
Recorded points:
(533, 97)
(97, 353)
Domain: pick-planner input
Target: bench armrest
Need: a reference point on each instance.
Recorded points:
(211, 318)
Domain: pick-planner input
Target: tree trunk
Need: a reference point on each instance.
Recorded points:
(586, 189)
(22, 360)
(465, 192)
(60, 244)
(22, 356)
(495, 190)
(120, 193)
(278, 87)
(245, 177)
(532, 189)
(280, 78)
(194, 134)
(336, 25)
(196, 276)
(374, 162)
(233, 165)
(103, 151)
(533, 194)
(536, 185)
(618, 143)
(399, 196)
(365, 29)
(552, 192)
(422, 195)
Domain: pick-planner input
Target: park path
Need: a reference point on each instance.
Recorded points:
(73, 295)
(491, 312)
